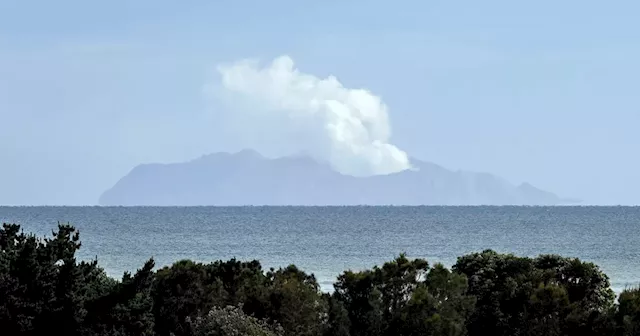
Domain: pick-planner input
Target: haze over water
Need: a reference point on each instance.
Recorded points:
(328, 240)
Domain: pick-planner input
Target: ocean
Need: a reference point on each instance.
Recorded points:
(328, 240)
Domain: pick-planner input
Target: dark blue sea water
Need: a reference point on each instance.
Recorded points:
(327, 240)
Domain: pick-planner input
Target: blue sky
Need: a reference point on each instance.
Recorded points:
(545, 92)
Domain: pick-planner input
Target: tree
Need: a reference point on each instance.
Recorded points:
(232, 321)
(295, 302)
(338, 323)
(405, 297)
(42, 288)
(628, 314)
(187, 290)
(125, 308)
(180, 292)
(549, 294)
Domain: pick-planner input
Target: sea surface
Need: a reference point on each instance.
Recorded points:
(328, 240)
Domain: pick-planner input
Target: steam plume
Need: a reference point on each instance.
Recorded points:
(347, 128)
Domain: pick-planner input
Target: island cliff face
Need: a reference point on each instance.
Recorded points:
(247, 178)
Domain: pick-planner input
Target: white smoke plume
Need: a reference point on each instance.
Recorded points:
(347, 128)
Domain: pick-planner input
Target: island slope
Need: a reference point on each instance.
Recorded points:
(247, 178)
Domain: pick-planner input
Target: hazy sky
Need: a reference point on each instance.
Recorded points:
(544, 91)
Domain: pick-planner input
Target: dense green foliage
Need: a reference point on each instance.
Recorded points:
(230, 321)
(44, 290)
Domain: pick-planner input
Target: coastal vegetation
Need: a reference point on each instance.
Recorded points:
(46, 290)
